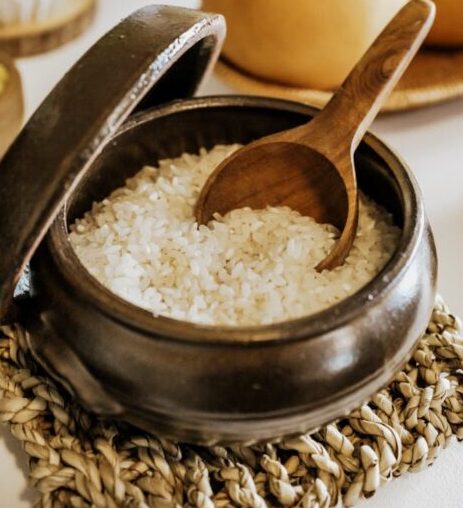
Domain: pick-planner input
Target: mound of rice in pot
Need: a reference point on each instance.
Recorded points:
(249, 267)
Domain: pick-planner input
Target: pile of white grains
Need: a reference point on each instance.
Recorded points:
(249, 267)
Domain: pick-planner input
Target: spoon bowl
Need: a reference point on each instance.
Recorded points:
(277, 184)
(310, 168)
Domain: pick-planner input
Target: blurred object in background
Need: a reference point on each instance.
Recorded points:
(302, 49)
(11, 102)
(28, 27)
(448, 27)
(304, 43)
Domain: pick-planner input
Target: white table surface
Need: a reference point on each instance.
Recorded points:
(430, 140)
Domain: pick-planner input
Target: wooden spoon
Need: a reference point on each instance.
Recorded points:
(310, 168)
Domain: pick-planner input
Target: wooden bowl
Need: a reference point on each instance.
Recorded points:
(33, 37)
(303, 43)
(448, 28)
(11, 102)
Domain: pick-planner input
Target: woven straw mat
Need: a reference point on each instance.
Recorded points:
(77, 460)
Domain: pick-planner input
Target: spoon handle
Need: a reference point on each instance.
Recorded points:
(354, 106)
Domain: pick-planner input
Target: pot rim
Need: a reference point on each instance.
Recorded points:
(93, 293)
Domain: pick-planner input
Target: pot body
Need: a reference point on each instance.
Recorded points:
(220, 385)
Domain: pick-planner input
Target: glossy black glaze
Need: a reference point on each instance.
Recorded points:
(210, 384)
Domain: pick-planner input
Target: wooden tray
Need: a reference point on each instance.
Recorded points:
(27, 39)
(434, 76)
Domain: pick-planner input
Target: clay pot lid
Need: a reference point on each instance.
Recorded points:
(157, 54)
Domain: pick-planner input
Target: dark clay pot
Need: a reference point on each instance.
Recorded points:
(201, 383)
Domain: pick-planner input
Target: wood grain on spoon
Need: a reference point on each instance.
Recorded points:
(310, 168)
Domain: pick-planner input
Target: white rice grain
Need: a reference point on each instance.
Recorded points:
(250, 267)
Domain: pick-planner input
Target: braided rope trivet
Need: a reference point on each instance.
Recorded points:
(80, 461)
